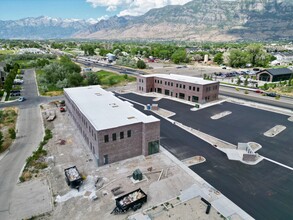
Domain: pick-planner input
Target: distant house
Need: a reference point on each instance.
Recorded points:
(111, 57)
(274, 75)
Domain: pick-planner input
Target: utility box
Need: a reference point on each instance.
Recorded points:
(137, 175)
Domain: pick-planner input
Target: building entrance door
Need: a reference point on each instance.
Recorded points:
(106, 160)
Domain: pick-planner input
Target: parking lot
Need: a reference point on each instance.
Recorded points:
(264, 190)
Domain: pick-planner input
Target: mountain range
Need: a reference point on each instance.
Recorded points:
(42, 28)
(198, 20)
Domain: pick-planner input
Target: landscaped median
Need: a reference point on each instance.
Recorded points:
(37, 161)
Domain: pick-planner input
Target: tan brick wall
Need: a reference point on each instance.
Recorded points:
(121, 148)
(151, 132)
(152, 84)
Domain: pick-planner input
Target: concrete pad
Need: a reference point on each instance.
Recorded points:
(275, 131)
(31, 199)
(164, 113)
(193, 160)
(233, 154)
(220, 115)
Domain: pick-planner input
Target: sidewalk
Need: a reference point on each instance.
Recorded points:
(3, 97)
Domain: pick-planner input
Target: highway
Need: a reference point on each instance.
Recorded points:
(283, 102)
(122, 70)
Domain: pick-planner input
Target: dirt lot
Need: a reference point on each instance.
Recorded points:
(163, 180)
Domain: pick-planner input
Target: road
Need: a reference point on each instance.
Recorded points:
(283, 102)
(122, 70)
(29, 135)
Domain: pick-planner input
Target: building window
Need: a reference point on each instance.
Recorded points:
(171, 84)
(106, 138)
(121, 134)
(129, 133)
(180, 86)
(114, 138)
(189, 87)
(193, 88)
(168, 83)
(177, 85)
(155, 81)
(183, 86)
(161, 82)
(197, 89)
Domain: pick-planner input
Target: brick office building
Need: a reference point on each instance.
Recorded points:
(112, 128)
(183, 87)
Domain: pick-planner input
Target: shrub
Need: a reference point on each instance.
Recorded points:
(12, 133)
(21, 179)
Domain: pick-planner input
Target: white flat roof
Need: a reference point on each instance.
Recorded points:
(182, 78)
(104, 110)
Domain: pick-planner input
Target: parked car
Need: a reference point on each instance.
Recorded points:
(21, 99)
(259, 91)
(18, 81)
(14, 93)
(271, 94)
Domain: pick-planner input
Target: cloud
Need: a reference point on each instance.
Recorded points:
(96, 20)
(111, 8)
(134, 7)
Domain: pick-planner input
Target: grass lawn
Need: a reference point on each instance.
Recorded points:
(8, 118)
(108, 79)
(6, 52)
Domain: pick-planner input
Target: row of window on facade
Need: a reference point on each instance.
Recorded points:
(114, 136)
(178, 85)
(140, 88)
(140, 80)
(210, 88)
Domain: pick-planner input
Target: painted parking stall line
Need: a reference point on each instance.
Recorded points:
(278, 163)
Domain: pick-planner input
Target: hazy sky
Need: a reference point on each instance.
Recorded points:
(82, 9)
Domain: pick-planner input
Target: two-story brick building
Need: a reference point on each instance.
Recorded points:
(112, 128)
(189, 88)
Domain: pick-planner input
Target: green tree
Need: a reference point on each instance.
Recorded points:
(238, 58)
(92, 79)
(218, 58)
(179, 56)
(257, 55)
(141, 64)
(75, 79)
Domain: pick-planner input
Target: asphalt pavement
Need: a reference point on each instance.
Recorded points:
(264, 191)
(29, 135)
